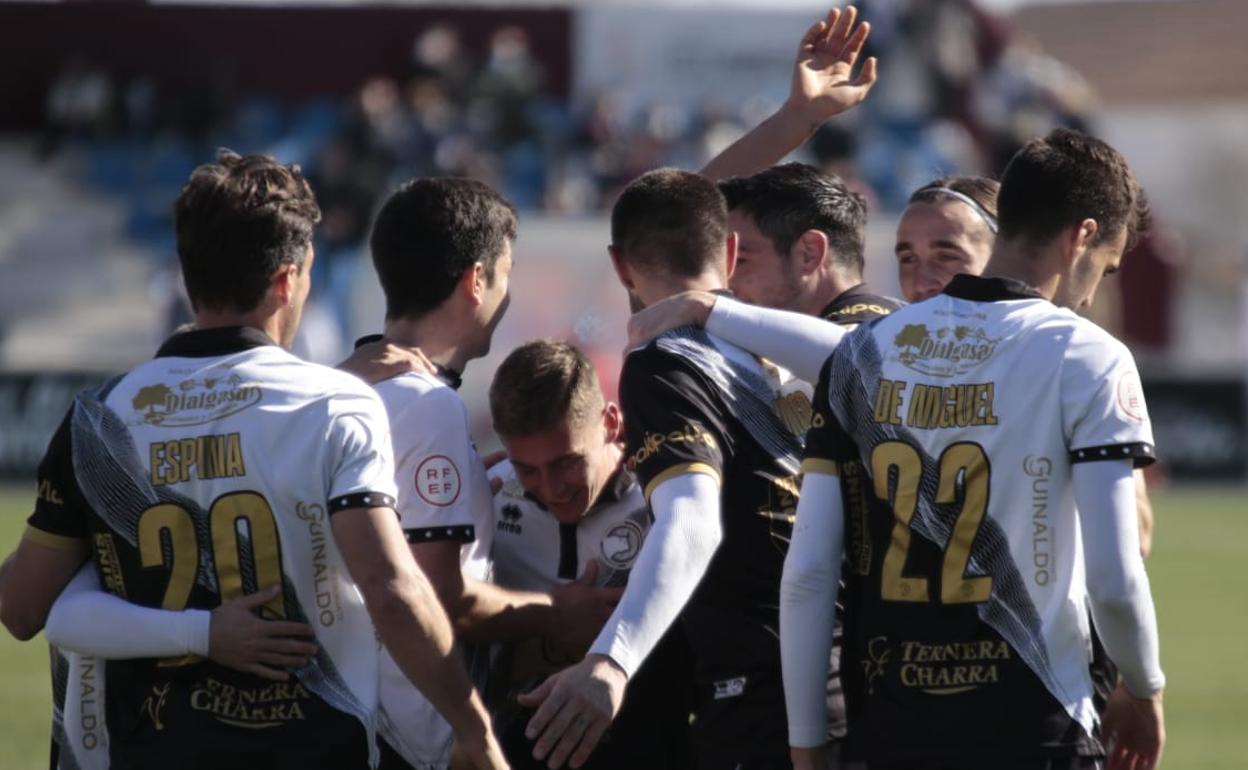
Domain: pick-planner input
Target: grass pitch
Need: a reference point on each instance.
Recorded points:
(1202, 535)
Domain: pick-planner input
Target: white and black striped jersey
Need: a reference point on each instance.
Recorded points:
(210, 472)
(957, 420)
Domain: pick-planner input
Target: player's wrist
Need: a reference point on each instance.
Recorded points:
(195, 630)
(604, 662)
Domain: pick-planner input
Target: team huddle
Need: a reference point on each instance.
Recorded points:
(822, 528)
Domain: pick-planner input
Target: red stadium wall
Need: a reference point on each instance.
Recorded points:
(284, 52)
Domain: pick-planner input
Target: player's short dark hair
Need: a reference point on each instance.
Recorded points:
(429, 232)
(1066, 177)
(237, 221)
(980, 189)
(539, 385)
(787, 200)
(670, 220)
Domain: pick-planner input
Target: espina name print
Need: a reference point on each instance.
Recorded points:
(190, 499)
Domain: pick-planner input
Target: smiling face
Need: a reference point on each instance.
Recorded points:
(566, 466)
(935, 242)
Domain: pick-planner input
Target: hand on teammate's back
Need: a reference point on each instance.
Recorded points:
(574, 709)
(241, 640)
(822, 86)
(582, 608)
(688, 308)
(374, 362)
(1134, 730)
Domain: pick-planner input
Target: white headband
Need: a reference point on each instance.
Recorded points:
(968, 200)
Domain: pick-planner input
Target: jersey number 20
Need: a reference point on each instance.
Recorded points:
(964, 461)
(181, 556)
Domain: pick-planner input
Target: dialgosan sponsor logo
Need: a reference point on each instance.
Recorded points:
(945, 352)
(194, 401)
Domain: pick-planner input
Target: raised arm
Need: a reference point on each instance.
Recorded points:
(822, 87)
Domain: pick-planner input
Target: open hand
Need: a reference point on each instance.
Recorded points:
(381, 360)
(823, 83)
(240, 640)
(582, 609)
(688, 308)
(1134, 730)
(574, 709)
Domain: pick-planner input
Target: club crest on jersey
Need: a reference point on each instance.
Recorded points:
(622, 542)
(437, 481)
(1131, 397)
(945, 352)
(193, 401)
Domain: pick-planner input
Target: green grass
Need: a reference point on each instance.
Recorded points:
(1202, 534)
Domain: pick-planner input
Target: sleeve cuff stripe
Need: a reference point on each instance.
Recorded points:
(360, 500)
(464, 533)
(52, 540)
(1140, 452)
(819, 465)
(680, 470)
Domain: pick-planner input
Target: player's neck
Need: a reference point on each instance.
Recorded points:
(662, 287)
(1037, 270)
(441, 340)
(270, 324)
(831, 285)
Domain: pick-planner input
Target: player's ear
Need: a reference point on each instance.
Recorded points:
(730, 262)
(621, 266)
(473, 283)
(283, 284)
(811, 250)
(1079, 240)
(612, 422)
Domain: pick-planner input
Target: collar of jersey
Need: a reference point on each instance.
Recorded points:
(854, 294)
(977, 289)
(451, 378)
(220, 341)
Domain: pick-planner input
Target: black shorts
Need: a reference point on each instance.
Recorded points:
(1104, 675)
(739, 721)
(651, 731)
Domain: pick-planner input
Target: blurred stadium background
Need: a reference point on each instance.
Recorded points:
(105, 107)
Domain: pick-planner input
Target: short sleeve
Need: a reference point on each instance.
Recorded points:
(673, 423)
(60, 516)
(361, 471)
(1103, 411)
(437, 465)
(828, 446)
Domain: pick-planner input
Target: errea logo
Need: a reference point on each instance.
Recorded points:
(509, 519)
